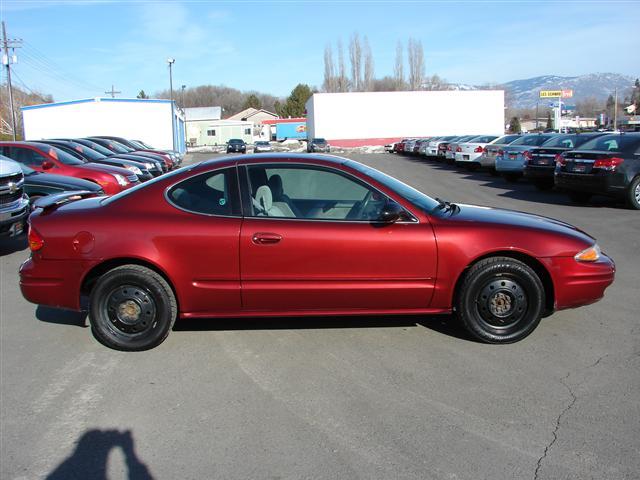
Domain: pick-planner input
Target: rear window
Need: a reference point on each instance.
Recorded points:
(612, 143)
(483, 139)
(535, 140)
(564, 141)
(506, 139)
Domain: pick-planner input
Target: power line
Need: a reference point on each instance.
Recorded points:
(13, 44)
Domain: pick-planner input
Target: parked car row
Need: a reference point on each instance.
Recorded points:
(94, 166)
(582, 164)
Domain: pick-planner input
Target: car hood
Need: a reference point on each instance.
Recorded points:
(107, 169)
(479, 215)
(61, 181)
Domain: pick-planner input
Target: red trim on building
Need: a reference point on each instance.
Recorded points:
(283, 120)
(362, 142)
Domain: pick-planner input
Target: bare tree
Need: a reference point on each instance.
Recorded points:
(355, 55)
(398, 69)
(434, 82)
(416, 64)
(367, 83)
(330, 81)
(343, 82)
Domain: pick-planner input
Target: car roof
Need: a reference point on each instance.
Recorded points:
(280, 157)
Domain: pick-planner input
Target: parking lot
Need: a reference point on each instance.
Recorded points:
(374, 397)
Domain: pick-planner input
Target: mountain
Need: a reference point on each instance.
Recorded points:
(525, 93)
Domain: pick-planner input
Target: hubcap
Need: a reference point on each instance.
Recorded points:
(131, 309)
(502, 303)
(637, 193)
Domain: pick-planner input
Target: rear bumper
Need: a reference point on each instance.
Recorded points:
(591, 183)
(539, 171)
(579, 283)
(515, 166)
(471, 157)
(54, 283)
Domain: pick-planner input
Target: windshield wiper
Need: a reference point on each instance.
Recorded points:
(445, 205)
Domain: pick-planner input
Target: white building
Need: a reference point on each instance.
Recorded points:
(205, 128)
(376, 118)
(149, 120)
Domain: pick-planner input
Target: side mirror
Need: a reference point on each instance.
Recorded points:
(47, 165)
(391, 212)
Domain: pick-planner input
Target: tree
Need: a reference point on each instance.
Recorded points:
(549, 121)
(253, 101)
(398, 69)
(295, 104)
(330, 83)
(610, 107)
(416, 64)
(367, 83)
(355, 56)
(514, 125)
(343, 82)
(141, 94)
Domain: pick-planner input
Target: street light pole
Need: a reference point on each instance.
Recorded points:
(182, 96)
(615, 111)
(171, 61)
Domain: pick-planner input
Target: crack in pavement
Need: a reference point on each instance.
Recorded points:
(574, 398)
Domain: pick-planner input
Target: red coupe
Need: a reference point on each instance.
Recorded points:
(293, 235)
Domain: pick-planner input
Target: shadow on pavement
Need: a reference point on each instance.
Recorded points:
(444, 324)
(60, 316)
(12, 245)
(89, 460)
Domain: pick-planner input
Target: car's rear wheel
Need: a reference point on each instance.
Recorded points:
(579, 197)
(633, 194)
(501, 300)
(132, 308)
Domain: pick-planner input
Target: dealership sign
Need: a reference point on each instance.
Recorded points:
(556, 93)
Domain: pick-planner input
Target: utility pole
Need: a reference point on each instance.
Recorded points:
(112, 92)
(6, 60)
(615, 111)
(171, 61)
(182, 97)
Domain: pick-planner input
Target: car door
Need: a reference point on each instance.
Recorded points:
(310, 242)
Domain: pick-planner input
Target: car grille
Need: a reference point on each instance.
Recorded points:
(8, 198)
(11, 188)
(132, 178)
(5, 181)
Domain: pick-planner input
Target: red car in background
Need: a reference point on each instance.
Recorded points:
(296, 235)
(46, 158)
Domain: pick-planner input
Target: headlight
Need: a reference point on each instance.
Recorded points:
(135, 170)
(121, 180)
(591, 254)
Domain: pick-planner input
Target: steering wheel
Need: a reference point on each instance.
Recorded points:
(360, 207)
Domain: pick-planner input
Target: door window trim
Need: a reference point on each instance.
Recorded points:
(247, 205)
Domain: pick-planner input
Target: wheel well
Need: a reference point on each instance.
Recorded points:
(535, 265)
(96, 272)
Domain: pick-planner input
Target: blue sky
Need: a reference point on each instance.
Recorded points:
(77, 49)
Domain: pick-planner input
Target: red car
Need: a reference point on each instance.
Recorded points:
(46, 158)
(294, 235)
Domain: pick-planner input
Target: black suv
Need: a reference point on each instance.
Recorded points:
(606, 165)
(318, 145)
(236, 145)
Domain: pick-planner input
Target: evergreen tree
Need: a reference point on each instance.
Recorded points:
(514, 125)
(141, 94)
(549, 121)
(294, 106)
(253, 101)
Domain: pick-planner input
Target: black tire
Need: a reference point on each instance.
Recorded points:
(543, 186)
(579, 197)
(501, 300)
(511, 177)
(633, 194)
(132, 308)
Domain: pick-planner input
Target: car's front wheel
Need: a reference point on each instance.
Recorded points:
(132, 308)
(633, 194)
(501, 300)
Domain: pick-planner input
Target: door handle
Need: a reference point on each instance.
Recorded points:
(266, 238)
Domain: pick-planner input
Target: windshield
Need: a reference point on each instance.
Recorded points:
(87, 152)
(417, 198)
(26, 170)
(113, 146)
(318, 140)
(94, 146)
(236, 140)
(65, 157)
(138, 145)
(612, 143)
(534, 140)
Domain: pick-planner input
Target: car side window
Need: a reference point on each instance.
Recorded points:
(25, 156)
(211, 193)
(311, 193)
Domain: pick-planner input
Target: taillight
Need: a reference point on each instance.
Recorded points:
(36, 242)
(560, 160)
(500, 152)
(448, 148)
(459, 149)
(478, 149)
(608, 163)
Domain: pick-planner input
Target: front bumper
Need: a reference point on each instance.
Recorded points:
(579, 283)
(13, 216)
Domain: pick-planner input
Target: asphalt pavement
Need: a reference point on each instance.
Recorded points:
(366, 398)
